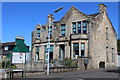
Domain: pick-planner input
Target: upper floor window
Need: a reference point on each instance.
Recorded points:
(107, 38)
(6, 48)
(63, 29)
(50, 30)
(74, 27)
(38, 33)
(82, 49)
(84, 26)
(79, 27)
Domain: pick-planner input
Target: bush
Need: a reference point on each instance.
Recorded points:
(8, 65)
(69, 62)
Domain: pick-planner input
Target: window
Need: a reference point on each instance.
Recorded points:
(74, 28)
(76, 49)
(107, 57)
(84, 26)
(37, 48)
(82, 49)
(61, 52)
(63, 28)
(37, 53)
(50, 30)
(6, 48)
(107, 38)
(46, 53)
(38, 33)
(113, 57)
(79, 27)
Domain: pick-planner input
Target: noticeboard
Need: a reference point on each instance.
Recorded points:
(18, 57)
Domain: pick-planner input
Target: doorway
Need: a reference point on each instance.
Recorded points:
(102, 65)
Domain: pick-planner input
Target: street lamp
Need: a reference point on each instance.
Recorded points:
(48, 44)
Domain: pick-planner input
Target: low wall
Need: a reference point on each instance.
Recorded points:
(62, 69)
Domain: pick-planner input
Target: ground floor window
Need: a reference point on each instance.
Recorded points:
(61, 52)
(76, 49)
(107, 57)
(37, 53)
(82, 49)
(113, 55)
(50, 54)
(37, 56)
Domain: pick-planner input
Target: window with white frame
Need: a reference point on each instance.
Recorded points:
(6, 48)
(82, 49)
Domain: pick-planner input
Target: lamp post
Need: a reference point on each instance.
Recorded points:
(48, 44)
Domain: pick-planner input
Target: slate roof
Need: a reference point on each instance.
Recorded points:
(8, 43)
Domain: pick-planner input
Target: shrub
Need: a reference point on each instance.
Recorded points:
(8, 65)
(69, 62)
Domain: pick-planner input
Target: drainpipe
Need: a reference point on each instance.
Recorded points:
(70, 45)
(88, 38)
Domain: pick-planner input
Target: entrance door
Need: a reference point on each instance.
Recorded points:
(61, 52)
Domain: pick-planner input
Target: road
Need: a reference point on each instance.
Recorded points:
(91, 74)
(81, 74)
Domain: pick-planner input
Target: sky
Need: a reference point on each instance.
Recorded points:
(21, 18)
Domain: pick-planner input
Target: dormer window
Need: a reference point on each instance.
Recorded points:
(38, 33)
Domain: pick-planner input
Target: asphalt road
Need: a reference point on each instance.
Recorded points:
(81, 74)
(96, 74)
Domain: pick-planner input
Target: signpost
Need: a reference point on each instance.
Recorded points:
(48, 44)
(18, 57)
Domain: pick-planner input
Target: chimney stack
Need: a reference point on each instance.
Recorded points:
(102, 8)
(19, 39)
(50, 18)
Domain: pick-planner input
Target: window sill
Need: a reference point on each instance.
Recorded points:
(61, 36)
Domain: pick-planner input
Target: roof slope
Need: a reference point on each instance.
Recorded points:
(70, 11)
(21, 47)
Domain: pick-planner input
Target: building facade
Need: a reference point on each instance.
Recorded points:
(17, 46)
(78, 35)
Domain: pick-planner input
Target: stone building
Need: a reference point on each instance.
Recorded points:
(78, 35)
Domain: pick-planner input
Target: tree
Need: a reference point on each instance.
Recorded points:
(118, 46)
